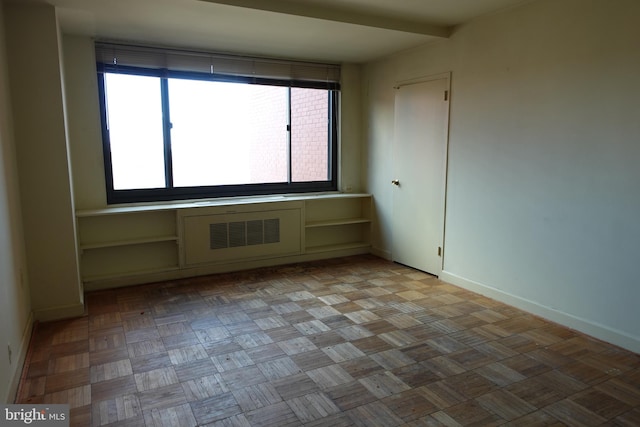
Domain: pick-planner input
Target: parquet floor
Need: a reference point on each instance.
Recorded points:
(353, 341)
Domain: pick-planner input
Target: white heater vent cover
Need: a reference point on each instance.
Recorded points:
(244, 233)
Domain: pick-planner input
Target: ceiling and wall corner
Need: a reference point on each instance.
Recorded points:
(343, 31)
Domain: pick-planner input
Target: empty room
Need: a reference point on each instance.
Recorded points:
(320, 213)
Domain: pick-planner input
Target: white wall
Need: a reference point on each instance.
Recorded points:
(543, 200)
(15, 307)
(350, 129)
(85, 137)
(38, 104)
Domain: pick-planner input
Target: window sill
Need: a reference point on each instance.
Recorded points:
(227, 201)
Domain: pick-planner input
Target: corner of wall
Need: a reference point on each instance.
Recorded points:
(15, 312)
(382, 253)
(37, 96)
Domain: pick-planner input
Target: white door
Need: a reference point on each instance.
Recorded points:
(419, 173)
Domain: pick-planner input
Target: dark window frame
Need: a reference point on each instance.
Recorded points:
(170, 193)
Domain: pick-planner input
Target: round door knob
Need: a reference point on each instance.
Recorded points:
(395, 182)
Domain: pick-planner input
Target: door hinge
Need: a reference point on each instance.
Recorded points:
(446, 95)
(439, 250)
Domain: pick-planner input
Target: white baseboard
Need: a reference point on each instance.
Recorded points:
(225, 267)
(585, 326)
(20, 360)
(382, 253)
(61, 312)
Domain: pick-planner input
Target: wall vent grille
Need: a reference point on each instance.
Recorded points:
(244, 233)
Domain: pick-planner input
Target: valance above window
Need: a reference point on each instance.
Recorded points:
(113, 55)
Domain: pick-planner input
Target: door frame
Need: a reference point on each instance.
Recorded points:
(423, 79)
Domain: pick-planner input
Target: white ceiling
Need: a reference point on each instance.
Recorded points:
(329, 30)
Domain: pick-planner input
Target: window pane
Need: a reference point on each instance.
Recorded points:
(227, 133)
(309, 135)
(134, 114)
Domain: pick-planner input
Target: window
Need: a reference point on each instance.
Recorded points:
(174, 128)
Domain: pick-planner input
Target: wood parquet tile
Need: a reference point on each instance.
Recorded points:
(357, 341)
